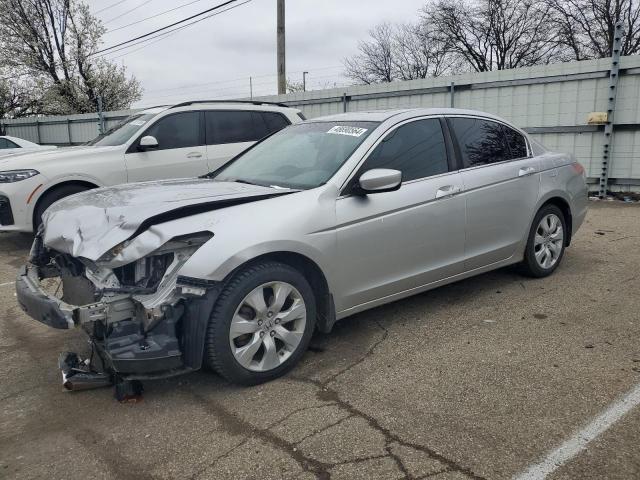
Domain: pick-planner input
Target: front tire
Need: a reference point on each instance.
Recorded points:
(546, 242)
(261, 324)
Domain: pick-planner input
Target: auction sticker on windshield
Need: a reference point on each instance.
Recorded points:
(346, 130)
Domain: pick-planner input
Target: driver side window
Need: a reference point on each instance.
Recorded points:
(417, 149)
(181, 130)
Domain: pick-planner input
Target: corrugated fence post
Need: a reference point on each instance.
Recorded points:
(37, 131)
(453, 94)
(69, 131)
(608, 128)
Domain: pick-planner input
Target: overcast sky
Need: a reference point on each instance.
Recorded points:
(216, 57)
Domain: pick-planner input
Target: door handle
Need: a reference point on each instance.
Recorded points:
(523, 172)
(447, 191)
(194, 155)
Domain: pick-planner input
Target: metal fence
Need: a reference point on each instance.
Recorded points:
(551, 102)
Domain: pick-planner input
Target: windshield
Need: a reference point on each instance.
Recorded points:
(121, 133)
(300, 156)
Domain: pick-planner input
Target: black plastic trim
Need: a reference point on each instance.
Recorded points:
(6, 214)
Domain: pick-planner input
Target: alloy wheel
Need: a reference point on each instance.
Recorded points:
(268, 326)
(549, 241)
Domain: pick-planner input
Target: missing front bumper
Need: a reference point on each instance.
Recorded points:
(39, 305)
(172, 347)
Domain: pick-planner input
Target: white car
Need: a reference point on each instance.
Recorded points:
(17, 146)
(186, 140)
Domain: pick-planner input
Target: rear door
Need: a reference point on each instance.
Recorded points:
(502, 183)
(181, 152)
(229, 133)
(393, 242)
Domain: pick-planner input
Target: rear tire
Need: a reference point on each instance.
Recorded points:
(261, 324)
(51, 197)
(546, 242)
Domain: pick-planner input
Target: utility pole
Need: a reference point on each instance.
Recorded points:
(251, 87)
(282, 66)
(304, 81)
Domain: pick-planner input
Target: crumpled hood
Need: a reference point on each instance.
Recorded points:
(91, 223)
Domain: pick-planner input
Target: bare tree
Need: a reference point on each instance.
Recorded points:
(51, 42)
(293, 86)
(586, 27)
(374, 63)
(419, 53)
(402, 52)
(496, 34)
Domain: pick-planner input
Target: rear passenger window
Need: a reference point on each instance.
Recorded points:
(481, 141)
(231, 127)
(417, 149)
(517, 143)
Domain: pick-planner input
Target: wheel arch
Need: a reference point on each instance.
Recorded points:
(315, 276)
(565, 208)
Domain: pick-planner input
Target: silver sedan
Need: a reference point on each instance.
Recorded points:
(324, 219)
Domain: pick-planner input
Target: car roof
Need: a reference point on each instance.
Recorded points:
(403, 113)
(221, 105)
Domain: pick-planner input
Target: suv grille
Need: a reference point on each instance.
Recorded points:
(6, 217)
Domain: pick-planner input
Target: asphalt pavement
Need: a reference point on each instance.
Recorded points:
(480, 379)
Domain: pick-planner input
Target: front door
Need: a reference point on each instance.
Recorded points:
(394, 242)
(181, 152)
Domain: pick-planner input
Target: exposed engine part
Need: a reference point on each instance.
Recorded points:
(143, 276)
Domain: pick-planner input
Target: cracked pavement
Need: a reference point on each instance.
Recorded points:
(473, 380)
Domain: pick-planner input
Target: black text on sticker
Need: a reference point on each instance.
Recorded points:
(346, 130)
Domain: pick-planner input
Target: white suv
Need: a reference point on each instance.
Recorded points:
(186, 140)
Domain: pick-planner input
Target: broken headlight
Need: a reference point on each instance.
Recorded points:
(145, 274)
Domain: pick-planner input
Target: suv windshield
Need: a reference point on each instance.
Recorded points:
(301, 156)
(119, 134)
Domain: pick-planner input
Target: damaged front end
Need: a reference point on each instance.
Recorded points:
(144, 320)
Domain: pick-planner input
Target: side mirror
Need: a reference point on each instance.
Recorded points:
(147, 143)
(380, 180)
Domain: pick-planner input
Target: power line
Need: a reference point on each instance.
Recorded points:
(128, 11)
(110, 6)
(246, 77)
(217, 7)
(154, 16)
(162, 36)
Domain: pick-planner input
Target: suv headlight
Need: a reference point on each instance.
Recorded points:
(12, 176)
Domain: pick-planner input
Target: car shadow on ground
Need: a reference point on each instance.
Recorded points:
(354, 338)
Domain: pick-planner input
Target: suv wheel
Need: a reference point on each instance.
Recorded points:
(261, 324)
(546, 242)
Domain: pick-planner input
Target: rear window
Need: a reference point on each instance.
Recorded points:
(230, 127)
(517, 143)
(481, 141)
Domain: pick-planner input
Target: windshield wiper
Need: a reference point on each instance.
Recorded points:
(247, 182)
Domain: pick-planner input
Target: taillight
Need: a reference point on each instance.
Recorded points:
(579, 169)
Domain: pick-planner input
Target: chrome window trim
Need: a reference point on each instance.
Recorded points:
(529, 156)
